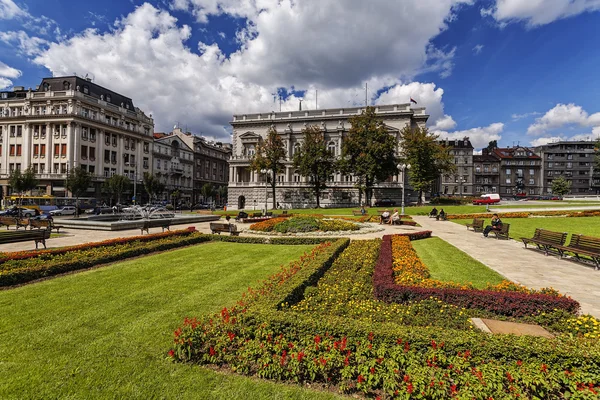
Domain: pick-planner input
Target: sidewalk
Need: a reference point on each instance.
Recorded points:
(527, 267)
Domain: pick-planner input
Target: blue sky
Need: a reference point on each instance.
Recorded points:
(508, 70)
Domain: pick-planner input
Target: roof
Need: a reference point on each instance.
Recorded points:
(511, 152)
(484, 158)
(99, 92)
(463, 143)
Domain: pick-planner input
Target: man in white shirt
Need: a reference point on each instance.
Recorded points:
(384, 217)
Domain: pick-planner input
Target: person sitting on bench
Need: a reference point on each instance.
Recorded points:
(395, 217)
(385, 216)
(495, 226)
(433, 212)
(441, 215)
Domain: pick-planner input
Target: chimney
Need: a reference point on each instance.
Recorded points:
(466, 139)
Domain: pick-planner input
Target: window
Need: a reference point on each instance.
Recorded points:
(569, 156)
(84, 152)
(108, 98)
(63, 149)
(19, 130)
(12, 150)
(56, 150)
(92, 135)
(165, 164)
(508, 180)
(532, 163)
(157, 164)
(508, 171)
(531, 172)
(92, 153)
(12, 131)
(107, 139)
(478, 170)
(36, 150)
(569, 165)
(146, 147)
(43, 150)
(86, 89)
(133, 144)
(532, 181)
(55, 168)
(106, 156)
(18, 150)
(145, 162)
(84, 133)
(331, 148)
(113, 157)
(114, 140)
(550, 165)
(106, 172)
(92, 169)
(127, 143)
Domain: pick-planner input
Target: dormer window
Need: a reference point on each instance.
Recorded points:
(46, 87)
(108, 98)
(86, 89)
(66, 85)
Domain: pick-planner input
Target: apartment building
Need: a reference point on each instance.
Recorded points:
(461, 181)
(520, 171)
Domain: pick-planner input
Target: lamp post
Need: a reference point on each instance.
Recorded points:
(402, 168)
(265, 172)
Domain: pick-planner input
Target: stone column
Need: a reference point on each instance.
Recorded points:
(49, 150)
(27, 145)
(120, 152)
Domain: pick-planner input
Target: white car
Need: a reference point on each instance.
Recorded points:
(67, 210)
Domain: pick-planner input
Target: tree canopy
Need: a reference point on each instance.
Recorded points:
(22, 182)
(207, 190)
(269, 156)
(314, 160)
(153, 185)
(561, 186)
(78, 182)
(428, 159)
(116, 185)
(369, 151)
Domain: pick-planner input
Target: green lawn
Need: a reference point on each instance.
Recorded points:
(104, 333)
(525, 227)
(553, 204)
(447, 263)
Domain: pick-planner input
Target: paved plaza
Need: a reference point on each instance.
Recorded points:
(508, 257)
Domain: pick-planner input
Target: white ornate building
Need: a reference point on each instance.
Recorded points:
(247, 188)
(69, 122)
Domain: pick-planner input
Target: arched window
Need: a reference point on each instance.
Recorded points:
(251, 150)
(66, 85)
(296, 148)
(108, 99)
(296, 176)
(331, 148)
(46, 86)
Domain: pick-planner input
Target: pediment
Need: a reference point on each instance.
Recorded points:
(249, 137)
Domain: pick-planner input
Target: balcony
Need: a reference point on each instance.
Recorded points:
(176, 170)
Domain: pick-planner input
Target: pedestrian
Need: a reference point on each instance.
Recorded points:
(495, 226)
(384, 217)
(395, 217)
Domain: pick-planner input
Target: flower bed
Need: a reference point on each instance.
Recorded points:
(261, 336)
(512, 304)
(303, 224)
(527, 214)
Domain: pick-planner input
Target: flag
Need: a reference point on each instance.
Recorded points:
(413, 100)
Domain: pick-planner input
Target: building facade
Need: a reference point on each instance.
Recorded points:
(70, 122)
(461, 181)
(248, 189)
(572, 160)
(520, 171)
(211, 166)
(174, 167)
(486, 173)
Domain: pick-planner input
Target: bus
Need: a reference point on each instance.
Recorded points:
(47, 203)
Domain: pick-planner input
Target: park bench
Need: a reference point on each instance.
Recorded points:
(8, 221)
(39, 236)
(218, 227)
(441, 217)
(476, 225)
(44, 224)
(502, 232)
(158, 223)
(256, 215)
(546, 240)
(22, 223)
(581, 245)
(358, 213)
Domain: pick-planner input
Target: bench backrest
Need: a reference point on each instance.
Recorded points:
(585, 242)
(8, 220)
(551, 236)
(6, 236)
(504, 228)
(477, 222)
(40, 223)
(218, 225)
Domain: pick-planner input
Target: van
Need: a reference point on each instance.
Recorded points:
(487, 199)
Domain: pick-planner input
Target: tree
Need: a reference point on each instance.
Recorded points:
(22, 182)
(492, 145)
(222, 193)
(561, 186)
(116, 185)
(153, 185)
(78, 182)
(314, 160)
(427, 157)
(269, 155)
(369, 151)
(207, 191)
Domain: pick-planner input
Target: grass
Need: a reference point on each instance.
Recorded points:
(525, 227)
(104, 333)
(546, 205)
(447, 263)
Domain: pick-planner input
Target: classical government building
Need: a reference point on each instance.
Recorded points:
(247, 188)
(69, 122)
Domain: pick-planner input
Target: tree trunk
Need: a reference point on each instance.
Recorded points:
(318, 192)
(274, 201)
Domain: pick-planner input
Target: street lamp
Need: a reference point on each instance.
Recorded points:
(402, 168)
(265, 172)
(461, 180)
(134, 181)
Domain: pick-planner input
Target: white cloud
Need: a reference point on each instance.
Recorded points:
(477, 49)
(9, 10)
(9, 72)
(545, 140)
(517, 117)
(579, 137)
(479, 137)
(27, 45)
(563, 115)
(168, 79)
(4, 83)
(539, 12)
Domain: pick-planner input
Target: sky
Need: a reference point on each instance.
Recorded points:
(515, 71)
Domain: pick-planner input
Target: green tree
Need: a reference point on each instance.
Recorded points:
(561, 186)
(207, 191)
(492, 145)
(22, 182)
(116, 185)
(222, 193)
(153, 185)
(77, 183)
(427, 157)
(369, 151)
(314, 161)
(269, 156)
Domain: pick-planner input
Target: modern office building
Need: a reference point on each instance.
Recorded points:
(247, 188)
(69, 122)
(573, 160)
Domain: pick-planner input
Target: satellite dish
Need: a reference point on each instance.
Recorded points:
(175, 126)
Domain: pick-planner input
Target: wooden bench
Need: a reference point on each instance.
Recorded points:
(546, 240)
(39, 236)
(44, 224)
(476, 225)
(256, 215)
(358, 213)
(218, 227)
(502, 232)
(581, 245)
(23, 223)
(8, 221)
(158, 223)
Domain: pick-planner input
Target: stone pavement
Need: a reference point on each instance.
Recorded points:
(527, 267)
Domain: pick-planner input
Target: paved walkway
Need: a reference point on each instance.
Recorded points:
(527, 267)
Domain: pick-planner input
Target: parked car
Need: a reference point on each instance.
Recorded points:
(385, 203)
(487, 199)
(14, 212)
(66, 210)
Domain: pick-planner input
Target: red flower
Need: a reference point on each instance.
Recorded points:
(434, 344)
(317, 339)
(360, 379)
(231, 335)
(372, 370)
(371, 335)
(406, 378)
(346, 361)
(212, 351)
(171, 353)
(410, 388)
(544, 368)
(519, 363)
(300, 356)
(509, 377)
